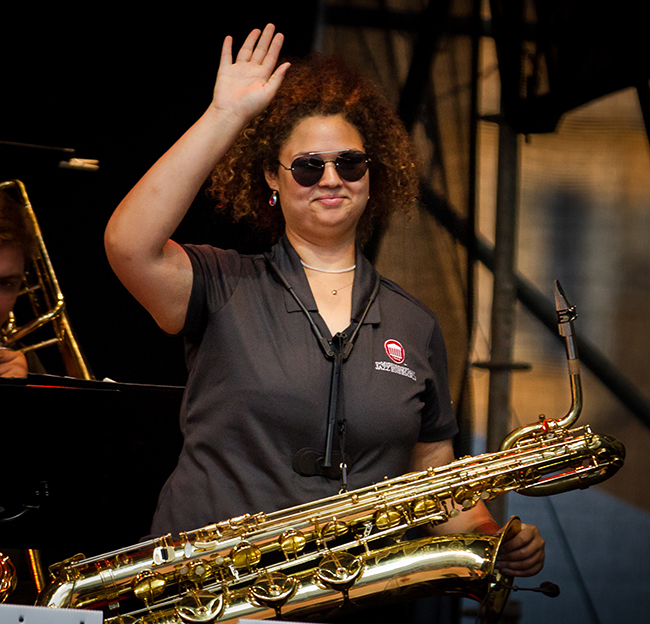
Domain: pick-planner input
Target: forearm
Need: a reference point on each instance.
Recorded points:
(146, 218)
(151, 266)
(475, 520)
(137, 239)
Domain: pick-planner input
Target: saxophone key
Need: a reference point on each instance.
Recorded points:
(163, 554)
(292, 542)
(245, 556)
(388, 518)
(147, 586)
(333, 529)
(425, 506)
(273, 590)
(200, 606)
(339, 571)
(198, 572)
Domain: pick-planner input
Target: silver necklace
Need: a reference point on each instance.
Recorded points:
(354, 266)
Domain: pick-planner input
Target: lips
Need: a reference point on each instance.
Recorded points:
(331, 200)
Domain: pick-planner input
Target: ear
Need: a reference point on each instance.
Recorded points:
(272, 180)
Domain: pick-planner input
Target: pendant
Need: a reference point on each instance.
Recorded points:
(334, 292)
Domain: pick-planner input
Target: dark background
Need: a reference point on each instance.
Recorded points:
(121, 89)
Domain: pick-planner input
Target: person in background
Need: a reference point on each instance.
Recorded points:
(16, 247)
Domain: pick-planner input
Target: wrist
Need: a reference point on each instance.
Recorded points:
(490, 527)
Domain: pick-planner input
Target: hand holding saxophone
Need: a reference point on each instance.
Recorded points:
(523, 554)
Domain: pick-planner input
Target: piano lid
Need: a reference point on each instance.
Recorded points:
(83, 461)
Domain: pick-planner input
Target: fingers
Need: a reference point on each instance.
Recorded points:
(278, 75)
(244, 88)
(523, 554)
(226, 51)
(263, 49)
(12, 363)
(266, 43)
(246, 51)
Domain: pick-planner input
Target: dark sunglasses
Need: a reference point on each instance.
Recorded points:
(307, 170)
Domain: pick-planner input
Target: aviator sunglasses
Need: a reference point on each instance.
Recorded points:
(307, 170)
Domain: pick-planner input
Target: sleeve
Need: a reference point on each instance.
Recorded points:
(215, 274)
(438, 417)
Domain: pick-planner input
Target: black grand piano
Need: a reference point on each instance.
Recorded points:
(82, 462)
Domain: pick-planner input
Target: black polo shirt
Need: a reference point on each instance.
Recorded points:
(259, 385)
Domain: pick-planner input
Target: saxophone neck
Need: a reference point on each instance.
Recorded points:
(566, 314)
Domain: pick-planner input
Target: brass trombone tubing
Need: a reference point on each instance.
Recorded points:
(25, 330)
(74, 361)
(36, 567)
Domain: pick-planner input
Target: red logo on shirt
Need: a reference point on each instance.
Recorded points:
(395, 351)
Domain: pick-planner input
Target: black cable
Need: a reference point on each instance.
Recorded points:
(573, 563)
(338, 350)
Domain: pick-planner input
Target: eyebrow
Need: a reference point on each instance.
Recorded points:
(12, 276)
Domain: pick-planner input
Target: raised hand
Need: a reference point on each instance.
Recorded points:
(246, 87)
(138, 237)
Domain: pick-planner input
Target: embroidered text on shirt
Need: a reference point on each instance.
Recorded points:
(391, 367)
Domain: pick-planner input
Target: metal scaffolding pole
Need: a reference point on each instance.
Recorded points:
(504, 299)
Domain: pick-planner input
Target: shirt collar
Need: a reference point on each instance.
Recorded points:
(288, 261)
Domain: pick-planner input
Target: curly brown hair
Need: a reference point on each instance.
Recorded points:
(318, 85)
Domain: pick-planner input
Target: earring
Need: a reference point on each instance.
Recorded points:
(274, 198)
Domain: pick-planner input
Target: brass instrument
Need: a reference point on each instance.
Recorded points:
(47, 302)
(8, 578)
(48, 307)
(343, 552)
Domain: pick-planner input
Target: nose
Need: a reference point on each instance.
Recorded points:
(330, 175)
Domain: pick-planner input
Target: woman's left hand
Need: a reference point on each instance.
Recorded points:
(522, 554)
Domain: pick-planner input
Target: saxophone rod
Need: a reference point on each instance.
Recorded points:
(566, 314)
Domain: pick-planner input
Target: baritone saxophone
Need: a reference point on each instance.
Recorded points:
(345, 552)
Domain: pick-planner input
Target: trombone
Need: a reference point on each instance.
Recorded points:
(48, 306)
(47, 302)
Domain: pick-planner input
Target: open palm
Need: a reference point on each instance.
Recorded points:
(245, 87)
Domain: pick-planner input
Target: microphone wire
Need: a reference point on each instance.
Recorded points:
(573, 564)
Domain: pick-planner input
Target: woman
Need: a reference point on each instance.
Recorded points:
(307, 371)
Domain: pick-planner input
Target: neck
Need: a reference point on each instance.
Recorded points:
(325, 257)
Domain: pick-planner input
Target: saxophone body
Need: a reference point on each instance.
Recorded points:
(344, 552)
(332, 553)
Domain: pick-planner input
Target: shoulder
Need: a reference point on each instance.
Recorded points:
(402, 309)
(211, 255)
(210, 259)
(398, 297)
